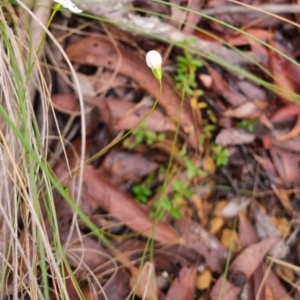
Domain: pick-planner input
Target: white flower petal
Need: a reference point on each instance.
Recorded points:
(72, 7)
(64, 3)
(153, 59)
(69, 5)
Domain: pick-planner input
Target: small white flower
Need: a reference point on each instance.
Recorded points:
(154, 61)
(69, 5)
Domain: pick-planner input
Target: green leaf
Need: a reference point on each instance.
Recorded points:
(175, 213)
(187, 193)
(178, 185)
(139, 138)
(165, 204)
(191, 168)
(197, 63)
(180, 59)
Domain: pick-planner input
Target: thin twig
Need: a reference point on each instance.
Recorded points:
(268, 8)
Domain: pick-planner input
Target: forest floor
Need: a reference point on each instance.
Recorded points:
(200, 201)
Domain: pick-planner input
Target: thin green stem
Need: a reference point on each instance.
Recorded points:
(117, 140)
(150, 242)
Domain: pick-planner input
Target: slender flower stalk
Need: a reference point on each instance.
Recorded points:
(153, 60)
(66, 4)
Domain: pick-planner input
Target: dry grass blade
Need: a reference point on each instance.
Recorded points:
(26, 249)
(10, 157)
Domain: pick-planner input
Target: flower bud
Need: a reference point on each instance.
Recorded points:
(153, 61)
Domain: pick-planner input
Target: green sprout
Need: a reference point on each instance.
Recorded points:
(164, 206)
(220, 155)
(247, 124)
(142, 135)
(142, 191)
(207, 132)
(186, 72)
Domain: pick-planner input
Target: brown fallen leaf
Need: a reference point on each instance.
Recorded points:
(248, 236)
(278, 291)
(245, 39)
(123, 207)
(235, 206)
(204, 280)
(220, 86)
(240, 270)
(285, 73)
(122, 120)
(250, 109)
(234, 136)
(86, 254)
(199, 239)
(286, 163)
(288, 111)
(291, 145)
(285, 200)
(266, 228)
(126, 167)
(182, 288)
(267, 164)
(117, 287)
(66, 103)
(292, 133)
(192, 19)
(246, 231)
(102, 53)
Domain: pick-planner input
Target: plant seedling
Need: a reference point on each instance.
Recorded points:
(142, 191)
(247, 124)
(186, 71)
(220, 155)
(143, 135)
